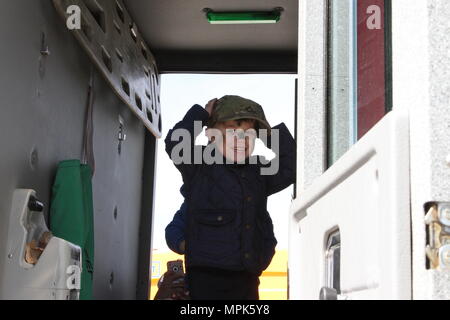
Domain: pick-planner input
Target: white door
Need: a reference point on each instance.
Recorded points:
(351, 228)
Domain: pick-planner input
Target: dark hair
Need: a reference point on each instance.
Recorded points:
(212, 123)
(249, 120)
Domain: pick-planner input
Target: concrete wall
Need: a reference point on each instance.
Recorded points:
(421, 85)
(311, 146)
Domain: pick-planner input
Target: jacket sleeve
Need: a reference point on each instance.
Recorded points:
(182, 138)
(286, 157)
(176, 230)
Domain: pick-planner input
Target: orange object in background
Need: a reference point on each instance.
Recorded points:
(273, 281)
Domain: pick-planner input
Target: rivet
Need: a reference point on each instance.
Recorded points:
(444, 216)
(10, 256)
(446, 212)
(447, 257)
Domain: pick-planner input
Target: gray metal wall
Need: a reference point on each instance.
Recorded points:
(42, 103)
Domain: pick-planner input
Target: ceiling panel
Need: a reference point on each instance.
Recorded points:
(182, 40)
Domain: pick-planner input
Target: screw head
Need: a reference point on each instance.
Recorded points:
(444, 256)
(10, 256)
(447, 213)
(444, 216)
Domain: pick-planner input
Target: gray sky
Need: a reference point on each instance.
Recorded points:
(180, 92)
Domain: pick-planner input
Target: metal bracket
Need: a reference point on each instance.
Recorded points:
(113, 42)
(45, 51)
(437, 219)
(122, 137)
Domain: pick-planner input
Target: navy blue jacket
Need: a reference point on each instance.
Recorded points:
(228, 226)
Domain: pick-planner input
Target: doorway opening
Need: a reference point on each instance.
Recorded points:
(179, 92)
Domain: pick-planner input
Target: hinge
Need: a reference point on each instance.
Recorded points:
(437, 220)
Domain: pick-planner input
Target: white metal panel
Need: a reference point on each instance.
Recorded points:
(48, 279)
(366, 195)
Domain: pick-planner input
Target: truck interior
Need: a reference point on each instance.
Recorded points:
(45, 98)
(82, 119)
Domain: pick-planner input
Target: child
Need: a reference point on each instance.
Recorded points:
(229, 235)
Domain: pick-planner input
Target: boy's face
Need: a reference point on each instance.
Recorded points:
(238, 139)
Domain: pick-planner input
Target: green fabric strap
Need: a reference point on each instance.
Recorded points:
(71, 215)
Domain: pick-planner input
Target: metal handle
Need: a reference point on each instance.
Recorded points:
(328, 294)
(35, 205)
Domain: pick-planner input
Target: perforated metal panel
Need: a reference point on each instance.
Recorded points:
(113, 42)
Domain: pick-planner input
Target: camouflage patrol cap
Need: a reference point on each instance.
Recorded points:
(234, 108)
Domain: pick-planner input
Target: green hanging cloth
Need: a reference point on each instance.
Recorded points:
(71, 208)
(71, 215)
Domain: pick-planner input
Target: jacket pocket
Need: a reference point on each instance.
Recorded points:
(215, 236)
(214, 225)
(215, 217)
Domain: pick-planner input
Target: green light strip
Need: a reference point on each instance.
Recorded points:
(243, 17)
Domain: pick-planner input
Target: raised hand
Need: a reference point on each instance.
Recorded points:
(210, 106)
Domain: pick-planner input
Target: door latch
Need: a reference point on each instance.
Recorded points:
(437, 219)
